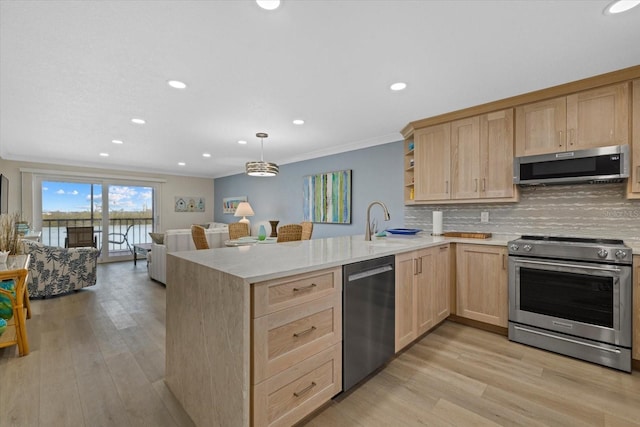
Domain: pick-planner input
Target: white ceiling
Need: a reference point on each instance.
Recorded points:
(73, 73)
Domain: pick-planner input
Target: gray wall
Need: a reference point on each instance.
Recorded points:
(376, 175)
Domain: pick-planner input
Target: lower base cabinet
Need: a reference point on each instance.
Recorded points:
(422, 292)
(636, 308)
(481, 283)
(289, 396)
(296, 340)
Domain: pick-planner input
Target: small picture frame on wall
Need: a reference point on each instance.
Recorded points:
(189, 204)
(230, 204)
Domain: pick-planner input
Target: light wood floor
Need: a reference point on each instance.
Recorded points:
(460, 376)
(97, 359)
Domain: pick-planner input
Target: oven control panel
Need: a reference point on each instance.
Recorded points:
(571, 248)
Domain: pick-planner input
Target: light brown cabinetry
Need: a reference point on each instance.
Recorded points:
(634, 178)
(409, 152)
(482, 156)
(432, 163)
(593, 118)
(296, 357)
(422, 292)
(636, 308)
(481, 283)
(465, 160)
(441, 283)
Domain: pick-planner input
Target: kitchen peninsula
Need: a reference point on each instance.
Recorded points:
(211, 321)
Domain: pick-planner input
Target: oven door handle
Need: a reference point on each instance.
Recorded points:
(611, 350)
(557, 264)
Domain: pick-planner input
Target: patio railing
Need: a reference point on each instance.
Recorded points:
(136, 230)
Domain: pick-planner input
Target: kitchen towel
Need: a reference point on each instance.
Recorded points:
(437, 223)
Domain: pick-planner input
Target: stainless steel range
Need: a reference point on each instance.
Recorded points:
(572, 296)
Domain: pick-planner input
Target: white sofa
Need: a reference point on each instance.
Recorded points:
(181, 240)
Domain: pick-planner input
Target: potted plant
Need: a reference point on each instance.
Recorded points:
(8, 235)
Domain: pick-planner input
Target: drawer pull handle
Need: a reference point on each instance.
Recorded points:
(305, 332)
(304, 390)
(305, 288)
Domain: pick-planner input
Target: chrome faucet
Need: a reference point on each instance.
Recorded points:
(387, 217)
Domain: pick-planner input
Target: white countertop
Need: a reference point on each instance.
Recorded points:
(256, 263)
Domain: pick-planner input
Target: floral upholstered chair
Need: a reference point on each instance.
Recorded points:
(55, 270)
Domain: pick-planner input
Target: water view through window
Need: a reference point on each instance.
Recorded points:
(121, 215)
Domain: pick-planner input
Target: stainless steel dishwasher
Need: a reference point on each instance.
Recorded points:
(368, 321)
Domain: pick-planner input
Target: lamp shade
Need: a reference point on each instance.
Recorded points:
(244, 209)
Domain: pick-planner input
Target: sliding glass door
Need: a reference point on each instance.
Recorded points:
(121, 213)
(130, 213)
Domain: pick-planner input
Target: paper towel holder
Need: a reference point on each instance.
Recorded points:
(437, 229)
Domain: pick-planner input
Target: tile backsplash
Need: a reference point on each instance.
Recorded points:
(599, 210)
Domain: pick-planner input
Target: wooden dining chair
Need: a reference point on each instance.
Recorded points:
(238, 230)
(16, 332)
(289, 233)
(199, 237)
(307, 230)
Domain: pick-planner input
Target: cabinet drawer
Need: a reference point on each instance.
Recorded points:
(283, 338)
(273, 295)
(289, 396)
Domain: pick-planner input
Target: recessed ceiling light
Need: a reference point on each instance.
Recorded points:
(398, 86)
(117, 141)
(620, 6)
(138, 121)
(268, 4)
(242, 142)
(104, 154)
(298, 122)
(182, 164)
(206, 155)
(177, 84)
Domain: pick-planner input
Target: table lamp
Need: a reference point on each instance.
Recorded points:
(244, 210)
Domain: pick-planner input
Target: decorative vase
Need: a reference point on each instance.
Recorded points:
(274, 228)
(262, 233)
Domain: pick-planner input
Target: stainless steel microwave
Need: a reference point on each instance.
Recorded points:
(596, 165)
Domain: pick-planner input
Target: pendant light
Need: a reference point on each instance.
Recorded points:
(262, 168)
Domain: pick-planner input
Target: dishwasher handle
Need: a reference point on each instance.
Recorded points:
(368, 273)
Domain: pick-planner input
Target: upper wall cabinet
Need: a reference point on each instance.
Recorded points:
(432, 163)
(588, 119)
(634, 179)
(463, 161)
(482, 157)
